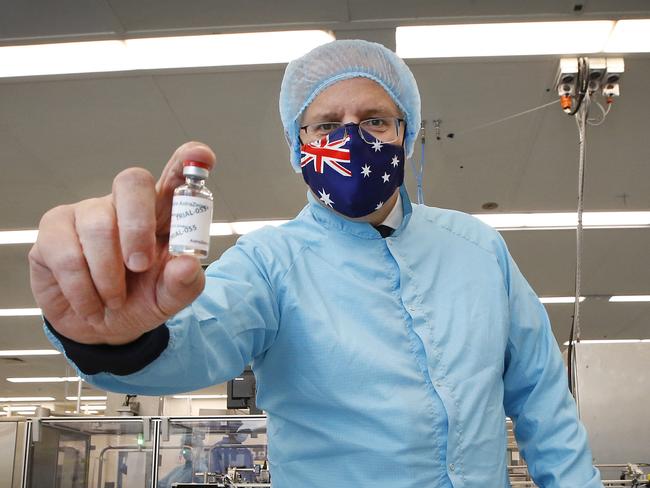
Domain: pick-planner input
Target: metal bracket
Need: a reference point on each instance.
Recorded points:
(36, 429)
(146, 428)
(164, 428)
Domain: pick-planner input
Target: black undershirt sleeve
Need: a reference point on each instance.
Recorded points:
(119, 360)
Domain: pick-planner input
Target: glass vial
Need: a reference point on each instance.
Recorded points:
(189, 233)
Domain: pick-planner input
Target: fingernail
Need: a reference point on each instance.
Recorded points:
(96, 319)
(138, 261)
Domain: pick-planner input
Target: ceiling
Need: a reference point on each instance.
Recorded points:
(63, 138)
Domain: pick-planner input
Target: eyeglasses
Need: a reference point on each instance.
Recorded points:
(383, 129)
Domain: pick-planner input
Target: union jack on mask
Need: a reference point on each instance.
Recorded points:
(348, 174)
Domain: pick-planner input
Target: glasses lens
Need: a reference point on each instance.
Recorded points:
(384, 129)
(320, 130)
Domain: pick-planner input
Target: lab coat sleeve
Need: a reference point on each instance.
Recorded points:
(550, 436)
(233, 322)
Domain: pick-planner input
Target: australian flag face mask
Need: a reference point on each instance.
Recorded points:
(348, 174)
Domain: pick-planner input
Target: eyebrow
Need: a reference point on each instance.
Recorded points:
(334, 116)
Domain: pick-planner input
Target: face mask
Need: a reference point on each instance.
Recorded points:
(349, 175)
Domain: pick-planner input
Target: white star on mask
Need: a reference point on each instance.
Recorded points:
(379, 205)
(325, 198)
(386, 177)
(365, 171)
(394, 161)
(377, 145)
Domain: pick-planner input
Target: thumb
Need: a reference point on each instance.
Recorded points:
(181, 281)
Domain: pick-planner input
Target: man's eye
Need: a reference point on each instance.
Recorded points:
(326, 127)
(376, 124)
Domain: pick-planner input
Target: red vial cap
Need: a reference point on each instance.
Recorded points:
(197, 164)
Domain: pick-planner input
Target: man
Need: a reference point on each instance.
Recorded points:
(192, 460)
(389, 340)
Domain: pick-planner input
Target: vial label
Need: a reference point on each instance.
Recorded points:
(190, 225)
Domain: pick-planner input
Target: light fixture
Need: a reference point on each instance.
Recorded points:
(560, 299)
(18, 236)
(609, 341)
(242, 227)
(501, 221)
(25, 399)
(199, 397)
(93, 407)
(19, 312)
(159, 53)
(21, 407)
(29, 352)
(28, 412)
(630, 298)
(566, 220)
(216, 229)
(44, 379)
(85, 398)
(629, 36)
(503, 39)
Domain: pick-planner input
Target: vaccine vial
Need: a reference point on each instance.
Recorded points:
(189, 233)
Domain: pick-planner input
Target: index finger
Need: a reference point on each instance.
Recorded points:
(172, 177)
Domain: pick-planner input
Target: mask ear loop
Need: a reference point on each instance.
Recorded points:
(419, 172)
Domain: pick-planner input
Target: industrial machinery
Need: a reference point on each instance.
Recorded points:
(132, 452)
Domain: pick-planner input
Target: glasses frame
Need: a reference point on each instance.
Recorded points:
(398, 121)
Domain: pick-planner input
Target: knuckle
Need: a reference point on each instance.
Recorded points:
(138, 176)
(94, 217)
(54, 214)
(34, 256)
(69, 261)
(99, 226)
(138, 227)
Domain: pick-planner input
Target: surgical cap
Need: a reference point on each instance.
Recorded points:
(323, 66)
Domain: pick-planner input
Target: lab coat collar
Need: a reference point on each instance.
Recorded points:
(331, 220)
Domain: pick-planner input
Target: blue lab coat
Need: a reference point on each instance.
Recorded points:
(380, 362)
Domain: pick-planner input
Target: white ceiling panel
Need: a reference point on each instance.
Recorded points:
(152, 15)
(42, 19)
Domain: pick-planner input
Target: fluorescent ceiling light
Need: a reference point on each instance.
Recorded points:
(19, 408)
(91, 412)
(44, 379)
(216, 229)
(74, 398)
(242, 227)
(93, 407)
(25, 399)
(158, 53)
(17, 312)
(528, 221)
(630, 298)
(609, 341)
(629, 36)
(566, 220)
(503, 39)
(29, 352)
(560, 299)
(199, 397)
(29, 412)
(18, 236)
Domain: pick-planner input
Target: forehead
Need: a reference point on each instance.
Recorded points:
(354, 97)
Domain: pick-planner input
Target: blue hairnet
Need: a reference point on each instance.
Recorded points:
(323, 66)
